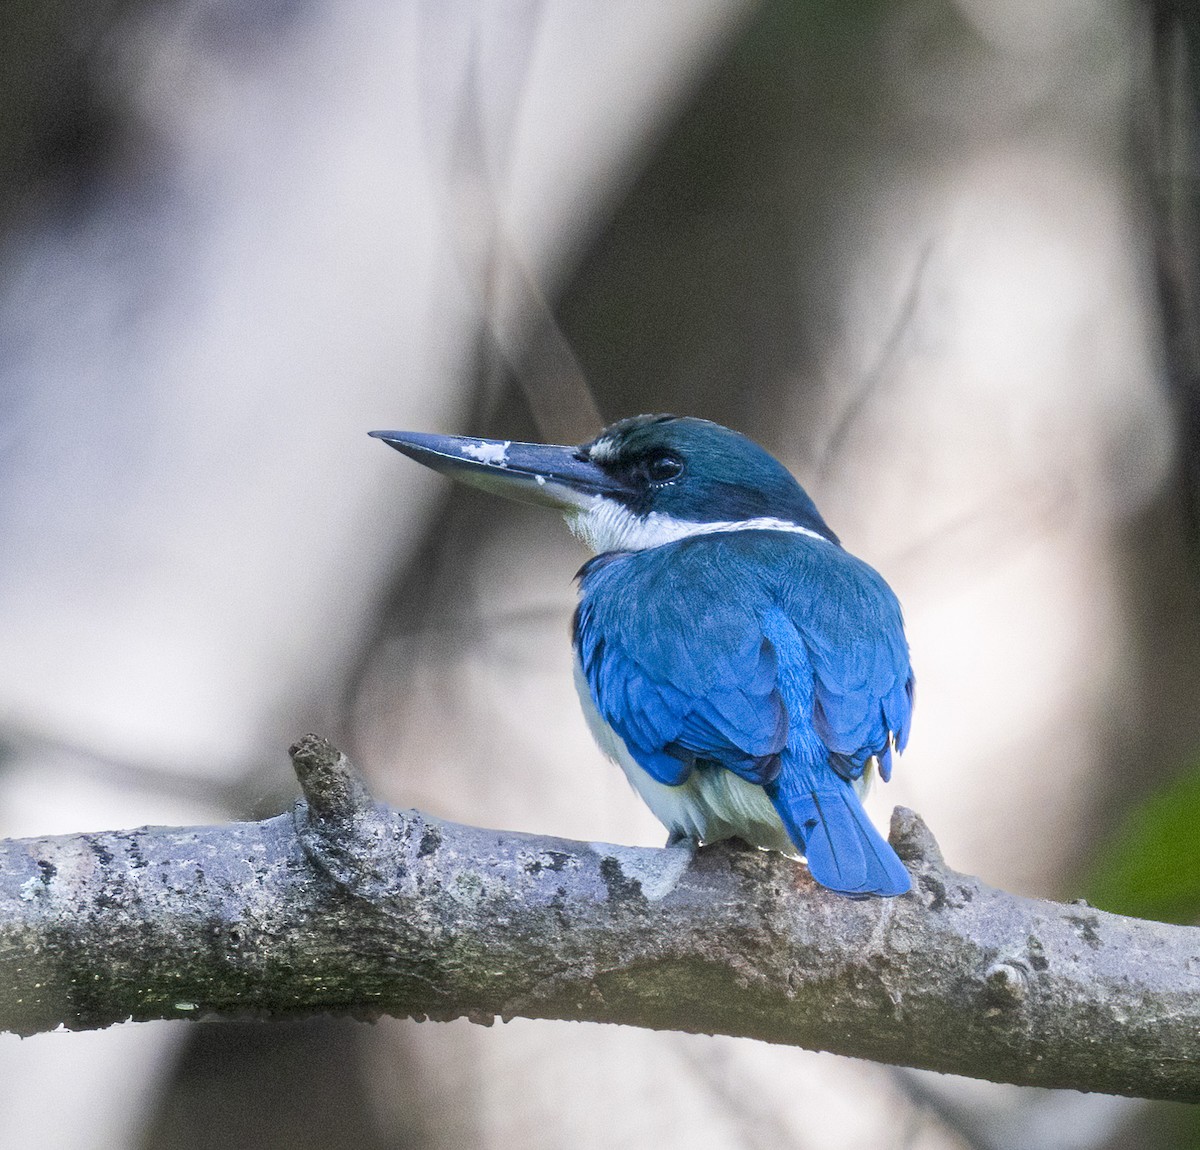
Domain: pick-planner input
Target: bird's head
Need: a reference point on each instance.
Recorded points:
(641, 482)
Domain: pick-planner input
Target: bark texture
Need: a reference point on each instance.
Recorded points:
(346, 906)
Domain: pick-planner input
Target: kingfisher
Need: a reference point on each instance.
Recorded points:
(747, 673)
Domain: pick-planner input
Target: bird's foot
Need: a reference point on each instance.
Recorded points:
(678, 841)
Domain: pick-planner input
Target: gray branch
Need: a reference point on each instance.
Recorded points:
(346, 906)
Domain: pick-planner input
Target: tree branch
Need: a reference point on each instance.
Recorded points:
(344, 905)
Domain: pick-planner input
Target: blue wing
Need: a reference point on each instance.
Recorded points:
(863, 681)
(682, 679)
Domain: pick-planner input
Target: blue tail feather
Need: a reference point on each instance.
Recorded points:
(844, 850)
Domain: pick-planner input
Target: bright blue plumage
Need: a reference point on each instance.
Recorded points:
(772, 654)
(743, 669)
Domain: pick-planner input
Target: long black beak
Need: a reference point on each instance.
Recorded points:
(530, 472)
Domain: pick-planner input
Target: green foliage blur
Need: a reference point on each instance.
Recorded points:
(1150, 868)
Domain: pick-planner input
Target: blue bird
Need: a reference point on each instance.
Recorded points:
(747, 673)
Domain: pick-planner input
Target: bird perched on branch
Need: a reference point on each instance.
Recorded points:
(747, 673)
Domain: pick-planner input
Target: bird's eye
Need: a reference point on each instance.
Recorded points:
(663, 468)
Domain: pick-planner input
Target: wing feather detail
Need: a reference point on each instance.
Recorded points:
(694, 651)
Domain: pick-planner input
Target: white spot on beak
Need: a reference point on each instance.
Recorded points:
(495, 454)
(541, 480)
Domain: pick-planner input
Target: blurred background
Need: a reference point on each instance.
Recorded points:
(939, 256)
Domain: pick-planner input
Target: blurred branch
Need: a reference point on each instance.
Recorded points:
(877, 376)
(1171, 163)
(344, 905)
(515, 315)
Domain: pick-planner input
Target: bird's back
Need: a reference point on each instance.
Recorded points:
(748, 674)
